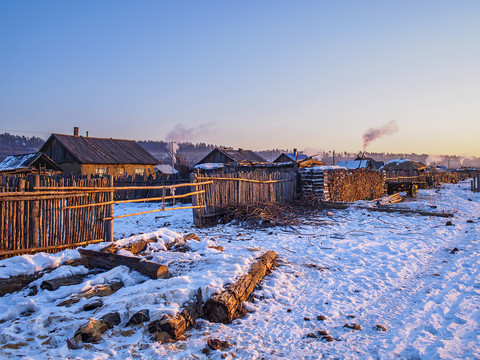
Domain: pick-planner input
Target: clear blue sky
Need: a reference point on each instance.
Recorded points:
(252, 74)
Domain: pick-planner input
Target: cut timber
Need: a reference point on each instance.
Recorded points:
(407, 211)
(94, 329)
(172, 327)
(224, 307)
(17, 283)
(100, 291)
(54, 284)
(109, 261)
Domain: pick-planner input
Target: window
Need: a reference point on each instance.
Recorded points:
(121, 171)
(101, 171)
(140, 171)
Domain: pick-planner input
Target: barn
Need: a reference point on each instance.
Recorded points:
(84, 155)
(301, 160)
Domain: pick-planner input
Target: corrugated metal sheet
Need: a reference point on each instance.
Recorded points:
(88, 150)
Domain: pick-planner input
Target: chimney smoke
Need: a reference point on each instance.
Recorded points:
(375, 133)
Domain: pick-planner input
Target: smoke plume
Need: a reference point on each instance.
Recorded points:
(375, 133)
(434, 159)
(180, 133)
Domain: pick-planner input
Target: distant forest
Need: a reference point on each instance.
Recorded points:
(192, 153)
(17, 144)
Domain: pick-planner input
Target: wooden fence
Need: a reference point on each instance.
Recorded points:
(39, 213)
(32, 216)
(138, 187)
(221, 190)
(475, 184)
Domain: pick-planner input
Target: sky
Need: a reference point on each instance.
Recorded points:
(253, 74)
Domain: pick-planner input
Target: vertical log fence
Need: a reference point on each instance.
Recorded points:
(39, 213)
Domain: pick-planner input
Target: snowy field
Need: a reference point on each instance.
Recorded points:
(410, 282)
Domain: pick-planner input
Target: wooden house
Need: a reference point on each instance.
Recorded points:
(361, 163)
(301, 160)
(84, 155)
(29, 163)
(232, 157)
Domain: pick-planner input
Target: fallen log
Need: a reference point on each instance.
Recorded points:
(54, 284)
(100, 291)
(108, 261)
(226, 306)
(407, 211)
(17, 283)
(93, 330)
(172, 327)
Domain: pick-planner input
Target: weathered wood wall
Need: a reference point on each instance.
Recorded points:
(32, 215)
(240, 188)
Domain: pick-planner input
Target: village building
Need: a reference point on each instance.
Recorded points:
(361, 163)
(238, 157)
(29, 163)
(84, 155)
(301, 160)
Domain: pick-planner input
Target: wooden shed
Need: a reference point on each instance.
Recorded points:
(29, 163)
(301, 160)
(229, 156)
(83, 155)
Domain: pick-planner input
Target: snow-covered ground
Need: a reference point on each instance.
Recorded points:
(415, 276)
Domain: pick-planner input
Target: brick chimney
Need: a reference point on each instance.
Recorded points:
(240, 150)
(75, 131)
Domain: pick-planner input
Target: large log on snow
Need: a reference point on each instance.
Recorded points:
(173, 327)
(109, 261)
(225, 306)
(54, 284)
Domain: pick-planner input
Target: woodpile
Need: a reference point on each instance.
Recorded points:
(344, 185)
(227, 305)
(391, 199)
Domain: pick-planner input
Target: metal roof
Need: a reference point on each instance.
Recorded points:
(89, 150)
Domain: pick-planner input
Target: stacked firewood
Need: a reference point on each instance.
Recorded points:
(344, 184)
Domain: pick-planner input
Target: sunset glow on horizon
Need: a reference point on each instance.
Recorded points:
(250, 74)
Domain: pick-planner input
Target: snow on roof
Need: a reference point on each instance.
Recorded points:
(296, 156)
(209, 166)
(325, 167)
(397, 161)
(165, 169)
(15, 162)
(354, 164)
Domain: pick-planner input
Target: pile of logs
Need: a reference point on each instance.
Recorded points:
(264, 214)
(222, 307)
(343, 184)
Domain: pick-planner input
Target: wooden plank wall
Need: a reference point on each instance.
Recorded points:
(227, 190)
(33, 218)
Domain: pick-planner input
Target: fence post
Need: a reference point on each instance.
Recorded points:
(110, 211)
(34, 215)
